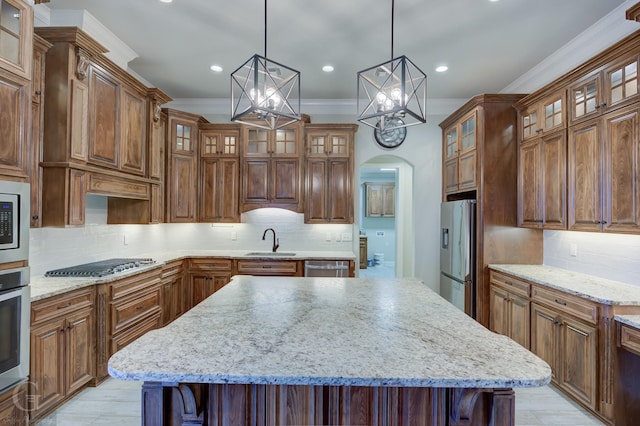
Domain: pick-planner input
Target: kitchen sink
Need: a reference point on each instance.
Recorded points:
(269, 254)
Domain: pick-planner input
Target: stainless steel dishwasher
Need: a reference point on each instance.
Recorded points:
(326, 268)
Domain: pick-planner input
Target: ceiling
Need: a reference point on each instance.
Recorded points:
(486, 45)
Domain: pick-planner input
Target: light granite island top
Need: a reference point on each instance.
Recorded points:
(327, 333)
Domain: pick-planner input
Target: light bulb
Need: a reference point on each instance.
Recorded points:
(272, 97)
(396, 94)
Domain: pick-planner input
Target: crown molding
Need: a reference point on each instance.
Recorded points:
(211, 106)
(610, 29)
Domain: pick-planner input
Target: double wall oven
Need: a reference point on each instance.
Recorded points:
(15, 298)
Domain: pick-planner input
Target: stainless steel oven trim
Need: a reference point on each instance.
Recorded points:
(19, 373)
(23, 191)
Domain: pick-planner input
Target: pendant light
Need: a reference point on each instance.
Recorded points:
(393, 94)
(265, 93)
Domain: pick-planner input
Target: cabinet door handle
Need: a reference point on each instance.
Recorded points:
(38, 92)
(561, 302)
(538, 131)
(139, 307)
(63, 306)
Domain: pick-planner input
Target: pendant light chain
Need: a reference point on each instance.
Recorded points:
(265, 29)
(392, 13)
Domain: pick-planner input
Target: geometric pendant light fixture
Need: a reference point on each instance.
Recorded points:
(393, 94)
(265, 93)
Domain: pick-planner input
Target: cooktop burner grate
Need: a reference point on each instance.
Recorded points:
(101, 268)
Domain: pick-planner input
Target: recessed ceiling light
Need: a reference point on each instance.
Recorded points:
(327, 68)
(442, 68)
(166, 1)
(493, 1)
(214, 68)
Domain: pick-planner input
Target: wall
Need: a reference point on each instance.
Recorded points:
(52, 248)
(612, 256)
(380, 231)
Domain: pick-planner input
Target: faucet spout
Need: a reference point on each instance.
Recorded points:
(276, 241)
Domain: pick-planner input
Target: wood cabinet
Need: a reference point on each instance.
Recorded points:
(40, 47)
(181, 180)
(510, 308)
(62, 348)
(627, 362)
(603, 173)
(380, 199)
(15, 100)
(206, 276)
(129, 307)
(569, 346)
(16, 30)
(542, 183)
(264, 267)
(219, 173)
(495, 189)
(13, 407)
(175, 296)
(329, 173)
(459, 149)
(272, 168)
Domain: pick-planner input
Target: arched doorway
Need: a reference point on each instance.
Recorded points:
(388, 237)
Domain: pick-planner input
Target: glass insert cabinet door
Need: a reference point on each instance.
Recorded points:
(16, 21)
(623, 82)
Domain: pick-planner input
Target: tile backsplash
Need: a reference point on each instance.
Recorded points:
(612, 256)
(52, 248)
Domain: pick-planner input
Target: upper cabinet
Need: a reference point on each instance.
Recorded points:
(329, 173)
(99, 126)
(219, 173)
(459, 147)
(16, 42)
(16, 55)
(272, 168)
(582, 173)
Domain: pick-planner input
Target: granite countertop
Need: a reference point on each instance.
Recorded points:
(631, 320)
(328, 331)
(597, 289)
(43, 287)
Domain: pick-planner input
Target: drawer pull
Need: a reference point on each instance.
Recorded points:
(66, 305)
(266, 266)
(139, 307)
(560, 302)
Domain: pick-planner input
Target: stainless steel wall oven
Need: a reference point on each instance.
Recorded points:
(14, 221)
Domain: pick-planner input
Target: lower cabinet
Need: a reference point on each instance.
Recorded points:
(206, 276)
(174, 292)
(129, 307)
(510, 308)
(570, 348)
(13, 407)
(264, 267)
(62, 348)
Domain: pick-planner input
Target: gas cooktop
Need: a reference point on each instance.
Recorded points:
(100, 269)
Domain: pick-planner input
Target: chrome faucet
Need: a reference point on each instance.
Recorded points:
(276, 242)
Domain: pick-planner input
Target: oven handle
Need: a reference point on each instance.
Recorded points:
(12, 294)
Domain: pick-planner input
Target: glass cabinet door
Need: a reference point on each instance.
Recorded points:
(286, 142)
(16, 23)
(622, 82)
(468, 134)
(585, 98)
(451, 140)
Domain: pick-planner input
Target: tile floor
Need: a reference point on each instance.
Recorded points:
(379, 271)
(117, 402)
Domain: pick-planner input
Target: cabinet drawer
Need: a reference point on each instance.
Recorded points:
(124, 313)
(121, 340)
(134, 285)
(566, 303)
(171, 269)
(211, 264)
(630, 338)
(512, 284)
(59, 306)
(267, 267)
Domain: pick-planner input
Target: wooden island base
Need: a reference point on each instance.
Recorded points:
(170, 404)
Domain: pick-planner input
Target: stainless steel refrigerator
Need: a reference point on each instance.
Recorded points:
(457, 254)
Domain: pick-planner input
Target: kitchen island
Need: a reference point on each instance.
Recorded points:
(274, 350)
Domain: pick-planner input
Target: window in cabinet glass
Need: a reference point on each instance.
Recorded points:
(553, 114)
(257, 141)
(285, 141)
(624, 82)
(230, 144)
(317, 144)
(452, 143)
(9, 32)
(468, 134)
(210, 145)
(529, 122)
(585, 99)
(338, 145)
(183, 138)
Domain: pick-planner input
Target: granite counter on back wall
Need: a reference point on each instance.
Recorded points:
(43, 287)
(590, 287)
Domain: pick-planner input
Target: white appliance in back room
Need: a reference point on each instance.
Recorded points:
(457, 254)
